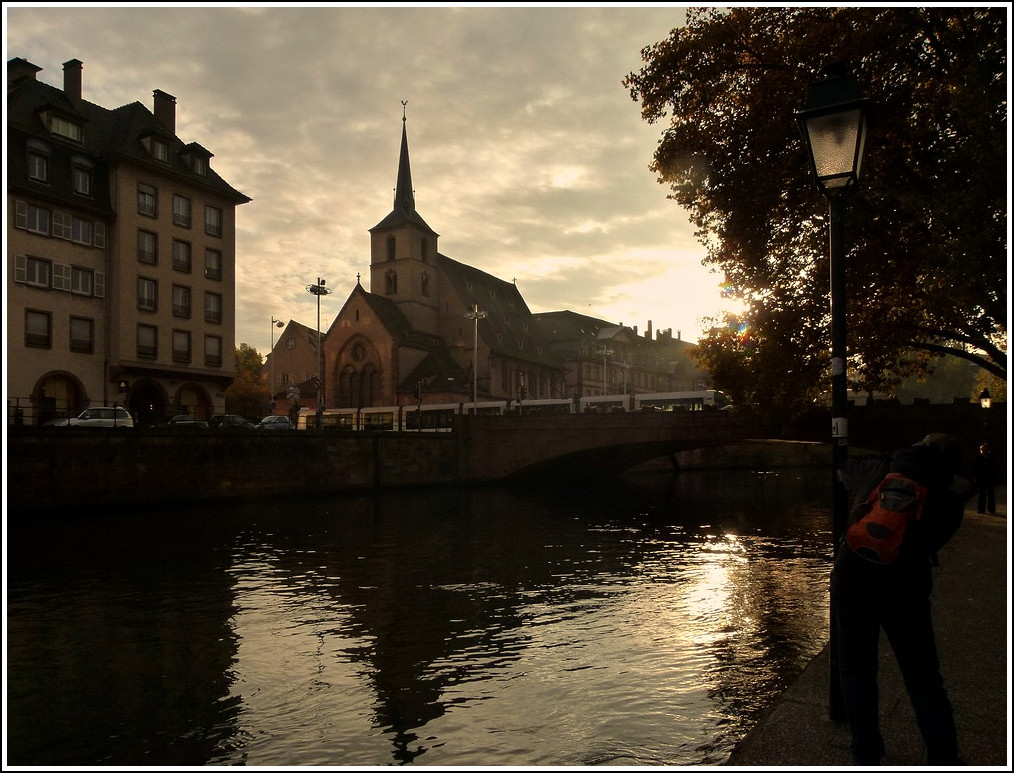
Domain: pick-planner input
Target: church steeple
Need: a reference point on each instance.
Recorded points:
(404, 196)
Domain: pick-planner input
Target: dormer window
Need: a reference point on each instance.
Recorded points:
(160, 151)
(200, 166)
(81, 171)
(38, 166)
(65, 127)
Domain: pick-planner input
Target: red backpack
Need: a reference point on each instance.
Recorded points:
(877, 527)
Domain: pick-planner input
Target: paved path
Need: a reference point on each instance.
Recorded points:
(971, 599)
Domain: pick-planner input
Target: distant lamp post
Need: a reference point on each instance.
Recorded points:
(319, 289)
(475, 315)
(833, 127)
(605, 351)
(985, 400)
(274, 323)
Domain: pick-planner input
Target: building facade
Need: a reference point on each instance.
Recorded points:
(121, 254)
(432, 329)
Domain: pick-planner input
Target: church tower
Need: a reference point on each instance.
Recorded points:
(403, 252)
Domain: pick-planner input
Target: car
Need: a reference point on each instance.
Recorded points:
(183, 421)
(97, 417)
(275, 422)
(230, 421)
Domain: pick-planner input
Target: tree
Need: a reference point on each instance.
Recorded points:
(247, 395)
(926, 231)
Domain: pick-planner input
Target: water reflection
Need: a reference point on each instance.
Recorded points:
(646, 623)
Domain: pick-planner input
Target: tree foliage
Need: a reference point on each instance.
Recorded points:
(926, 264)
(247, 395)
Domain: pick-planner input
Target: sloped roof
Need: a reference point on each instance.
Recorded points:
(109, 135)
(508, 327)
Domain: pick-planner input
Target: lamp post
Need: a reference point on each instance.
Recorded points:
(605, 351)
(319, 289)
(274, 323)
(833, 126)
(475, 315)
(986, 401)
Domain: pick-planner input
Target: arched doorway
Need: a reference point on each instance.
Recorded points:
(147, 402)
(57, 395)
(193, 399)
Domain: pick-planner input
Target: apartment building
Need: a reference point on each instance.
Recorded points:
(121, 254)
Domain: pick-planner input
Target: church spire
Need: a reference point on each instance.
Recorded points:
(404, 196)
(403, 212)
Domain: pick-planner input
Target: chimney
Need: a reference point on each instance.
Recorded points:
(165, 110)
(678, 335)
(19, 69)
(635, 330)
(647, 331)
(72, 82)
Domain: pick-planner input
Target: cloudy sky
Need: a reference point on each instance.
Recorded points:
(529, 158)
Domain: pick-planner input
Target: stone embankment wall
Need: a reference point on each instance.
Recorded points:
(59, 469)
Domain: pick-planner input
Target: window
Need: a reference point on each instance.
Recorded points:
(425, 280)
(65, 128)
(424, 249)
(82, 335)
(33, 271)
(38, 330)
(147, 341)
(147, 247)
(200, 165)
(213, 221)
(181, 346)
(213, 308)
(80, 230)
(181, 255)
(181, 210)
(391, 282)
(181, 301)
(147, 294)
(212, 263)
(82, 280)
(81, 174)
(38, 167)
(212, 350)
(160, 151)
(32, 218)
(391, 248)
(147, 200)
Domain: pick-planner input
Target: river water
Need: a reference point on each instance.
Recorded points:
(642, 622)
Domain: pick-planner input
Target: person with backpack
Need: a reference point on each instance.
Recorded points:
(906, 506)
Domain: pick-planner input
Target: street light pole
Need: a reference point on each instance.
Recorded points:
(274, 323)
(833, 127)
(475, 315)
(319, 289)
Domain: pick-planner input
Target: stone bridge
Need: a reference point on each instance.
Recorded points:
(497, 448)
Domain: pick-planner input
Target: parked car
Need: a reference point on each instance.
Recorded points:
(230, 421)
(97, 417)
(275, 422)
(183, 421)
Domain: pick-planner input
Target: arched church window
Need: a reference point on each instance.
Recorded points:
(391, 282)
(390, 247)
(425, 280)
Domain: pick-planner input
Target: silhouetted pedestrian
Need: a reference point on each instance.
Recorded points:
(867, 595)
(985, 470)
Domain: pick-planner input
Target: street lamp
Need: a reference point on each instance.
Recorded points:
(833, 127)
(274, 323)
(605, 351)
(985, 400)
(319, 289)
(475, 315)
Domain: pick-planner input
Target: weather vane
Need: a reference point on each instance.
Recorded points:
(404, 110)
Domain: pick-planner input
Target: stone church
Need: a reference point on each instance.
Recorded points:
(435, 330)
